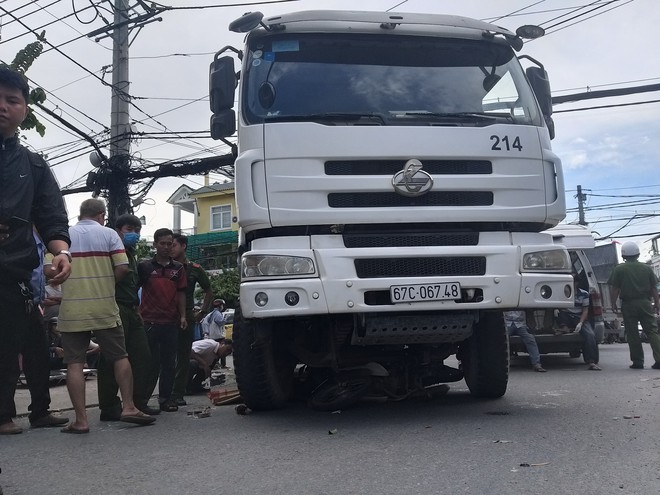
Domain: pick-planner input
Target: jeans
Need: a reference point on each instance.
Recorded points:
(589, 344)
(163, 340)
(529, 341)
(22, 333)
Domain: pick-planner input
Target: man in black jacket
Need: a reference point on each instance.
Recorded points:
(29, 195)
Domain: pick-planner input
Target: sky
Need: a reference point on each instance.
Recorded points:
(611, 152)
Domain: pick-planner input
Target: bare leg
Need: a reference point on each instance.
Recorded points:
(75, 384)
(124, 377)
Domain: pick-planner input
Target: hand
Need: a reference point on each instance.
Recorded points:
(578, 327)
(61, 267)
(183, 323)
(59, 352)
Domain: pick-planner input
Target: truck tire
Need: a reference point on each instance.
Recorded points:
(485, 357)
(264, 369)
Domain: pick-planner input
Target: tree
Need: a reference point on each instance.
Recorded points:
(21, 63)
(225, 285)
(144, 250)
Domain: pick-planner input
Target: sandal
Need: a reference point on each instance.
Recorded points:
(594, 367)
(169, 406)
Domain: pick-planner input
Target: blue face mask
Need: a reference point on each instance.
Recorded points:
(131, 239)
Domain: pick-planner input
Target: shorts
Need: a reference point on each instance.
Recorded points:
(111, 340)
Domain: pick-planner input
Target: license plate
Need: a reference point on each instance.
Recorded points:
(425, 292)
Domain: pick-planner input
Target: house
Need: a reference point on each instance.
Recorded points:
(213, 241)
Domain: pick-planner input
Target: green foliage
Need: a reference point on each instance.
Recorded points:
(26, 57)
(224, 285)
(21, 63)
(144, 250)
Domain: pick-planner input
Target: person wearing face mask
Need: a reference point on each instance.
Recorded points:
(137, 346)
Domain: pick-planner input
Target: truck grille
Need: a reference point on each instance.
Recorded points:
(393, 200)
(383, 239)
(420, 267)
(391, 167)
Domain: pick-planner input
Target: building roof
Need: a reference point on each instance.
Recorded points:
(181, 197)
(215, 187)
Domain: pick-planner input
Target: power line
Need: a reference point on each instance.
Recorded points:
(57, 49)
(516, 11)
(607, 106)
(221, 6)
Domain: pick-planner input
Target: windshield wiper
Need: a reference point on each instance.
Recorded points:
(458, 116)
(329, 117)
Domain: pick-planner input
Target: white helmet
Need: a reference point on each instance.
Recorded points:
(629, 249)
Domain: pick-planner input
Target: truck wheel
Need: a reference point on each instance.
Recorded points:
(264, 369)
(485, 357)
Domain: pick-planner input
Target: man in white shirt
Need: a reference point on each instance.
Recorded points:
(204, 355)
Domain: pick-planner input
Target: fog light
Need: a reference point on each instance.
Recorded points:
(568, 291)
(546, 292)
(291, 298)
(261, 299)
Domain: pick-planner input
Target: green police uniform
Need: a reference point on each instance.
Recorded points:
(635, 281)
(196, 275)
(137, 347)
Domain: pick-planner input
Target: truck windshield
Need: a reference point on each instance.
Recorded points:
(384, 80)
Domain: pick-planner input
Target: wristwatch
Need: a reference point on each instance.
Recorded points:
(67, 254)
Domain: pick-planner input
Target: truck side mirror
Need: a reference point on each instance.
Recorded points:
(538, 79)
(222, 84)
(223, 124)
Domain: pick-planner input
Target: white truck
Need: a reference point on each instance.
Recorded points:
(393, 176)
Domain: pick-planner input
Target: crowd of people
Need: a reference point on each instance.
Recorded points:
(135, 317)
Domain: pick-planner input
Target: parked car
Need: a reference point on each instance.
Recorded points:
(229, 322)
(542, 323)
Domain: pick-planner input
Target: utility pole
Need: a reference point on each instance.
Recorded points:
(581, 199)
(119, 201)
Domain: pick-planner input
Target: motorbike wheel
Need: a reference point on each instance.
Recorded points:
(339, 393)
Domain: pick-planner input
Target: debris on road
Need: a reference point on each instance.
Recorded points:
(224, 396)
(332, 432)
(242, 410)
(204, 412)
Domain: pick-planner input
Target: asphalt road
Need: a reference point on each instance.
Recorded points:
(568, 431)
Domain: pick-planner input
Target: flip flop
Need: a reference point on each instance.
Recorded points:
(139, 418)
(70, 429)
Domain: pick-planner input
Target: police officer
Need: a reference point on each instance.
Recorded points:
(635, 283)
(196, 275)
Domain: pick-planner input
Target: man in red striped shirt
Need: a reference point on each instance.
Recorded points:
(163, 309)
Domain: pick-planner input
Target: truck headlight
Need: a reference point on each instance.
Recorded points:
(552, 260)
(275, 266)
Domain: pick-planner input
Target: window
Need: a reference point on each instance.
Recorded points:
(401, 80)
(221, 217)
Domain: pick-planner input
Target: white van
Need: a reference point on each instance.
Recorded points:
(542, 323)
